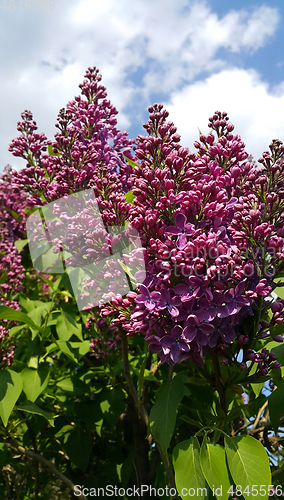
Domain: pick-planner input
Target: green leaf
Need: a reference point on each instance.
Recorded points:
(66, 326)
(34, 381)
(8, 313)
(276, 405)
(80, 348)
(257, 388)
(197, 381)
(248, 463)
(132, 163)
(10, 390)
(191, 421)
(16, 329)
(163, 414)
(188, 472)
(127, 270)
(214, 468)
(20, 244)
(66, 348)
(279, 351)
(78, 447)
(31, 407)
(51, 152)
(112, 405)
(73, 385)
(279, 291)
(14, 214)
(129, 197)
(277, 330)
(90, 413)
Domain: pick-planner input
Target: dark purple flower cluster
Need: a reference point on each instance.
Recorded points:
(212, 229)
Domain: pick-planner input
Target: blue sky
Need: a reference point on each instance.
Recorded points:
(194, 57)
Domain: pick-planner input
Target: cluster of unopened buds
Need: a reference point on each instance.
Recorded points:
(103, 345)
(265, 360)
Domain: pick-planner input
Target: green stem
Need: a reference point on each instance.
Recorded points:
(218, 384)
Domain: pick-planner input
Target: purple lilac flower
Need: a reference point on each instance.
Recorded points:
(194, 287)
(148, 298)
(182, 230)
(176, 342)
(223, 330)
(194, 330)
(235, 300)
(166, 302)
(209, 310)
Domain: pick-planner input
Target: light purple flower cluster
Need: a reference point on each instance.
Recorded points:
(86, 143)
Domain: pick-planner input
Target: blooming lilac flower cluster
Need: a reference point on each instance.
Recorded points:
(88, 152)
(87, 139)
(213, 233)
(12, 227)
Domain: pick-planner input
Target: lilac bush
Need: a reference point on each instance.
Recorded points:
(211, 226)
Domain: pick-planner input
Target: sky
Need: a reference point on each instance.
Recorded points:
(194, 57)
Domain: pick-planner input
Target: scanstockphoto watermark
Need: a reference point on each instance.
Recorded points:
(68, 235)
(28, 5)
(255, 491)
(137, 492)
(219, 266)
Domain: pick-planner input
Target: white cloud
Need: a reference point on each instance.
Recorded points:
(45, 54)
(256, 112)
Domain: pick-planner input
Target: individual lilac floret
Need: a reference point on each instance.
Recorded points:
(187, 291)
(223, 330)
(182, 230)
(209, 310)
(235, 300)
(176, 342)
(200, 332)
(166, 302)
(148, 298)
(194, 287)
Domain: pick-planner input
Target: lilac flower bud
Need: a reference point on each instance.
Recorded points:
(278, 338)
(276, 307)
